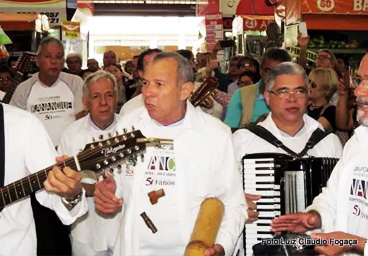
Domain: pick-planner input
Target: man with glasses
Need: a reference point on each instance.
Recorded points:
(6, 77)
(247, 104)
(286, 94)
(340, 211)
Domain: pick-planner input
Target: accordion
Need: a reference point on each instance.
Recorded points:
(287, 185)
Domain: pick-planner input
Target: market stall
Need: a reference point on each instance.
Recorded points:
(338, 25)
(249, 26)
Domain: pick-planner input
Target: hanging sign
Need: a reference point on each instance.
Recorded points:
(55, 10)
(255, 25)
(356, 7)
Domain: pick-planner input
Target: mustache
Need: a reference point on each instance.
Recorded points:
(362, 100)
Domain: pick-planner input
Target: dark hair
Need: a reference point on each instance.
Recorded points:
(12, 58)
(6, 69)
(186, 54)
(275, 54)
(143, 54)
(251, 74)
(255, 63)
(117, 66)
(86, 70)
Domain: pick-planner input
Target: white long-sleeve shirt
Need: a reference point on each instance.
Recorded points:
(105, 227)
(343, 203)
(28, 150)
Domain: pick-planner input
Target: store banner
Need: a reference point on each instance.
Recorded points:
(71, 30)
(205, 7)
(245, 7)
(55, 10)
(86, 7)
(355, 7)
(214, 30)
(255, 24)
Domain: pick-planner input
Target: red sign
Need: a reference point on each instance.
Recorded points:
(86, 5)
(214, 30)
(254, 7)
(255, 25)
(355, 7)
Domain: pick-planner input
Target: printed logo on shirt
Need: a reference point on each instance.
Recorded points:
(161, 167)
(161, 163)
(358, 212)
(359, 188)
(51, 106)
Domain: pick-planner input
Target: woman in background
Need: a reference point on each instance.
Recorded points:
(323, 84)
(116, 70)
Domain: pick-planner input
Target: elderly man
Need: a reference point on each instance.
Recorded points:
(340, 210)
(74, 63)
(286, 93)
(197, 155)
(100, 98)
(53, 96)
(109, 58)
(92, 64)
(28, 149)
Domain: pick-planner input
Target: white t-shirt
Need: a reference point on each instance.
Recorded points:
(55, 105)
(161, 174)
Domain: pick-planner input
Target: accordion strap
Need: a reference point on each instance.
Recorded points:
(262, 132)
(2, 147)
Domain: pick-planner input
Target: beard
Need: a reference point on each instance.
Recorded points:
(362, 111)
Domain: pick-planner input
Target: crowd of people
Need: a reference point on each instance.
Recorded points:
(58, 110)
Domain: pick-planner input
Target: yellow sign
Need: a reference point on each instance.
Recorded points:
(71, 30)
(295, 52)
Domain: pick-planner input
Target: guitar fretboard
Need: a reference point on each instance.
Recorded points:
(24, 187)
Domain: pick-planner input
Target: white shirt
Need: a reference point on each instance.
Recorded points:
(205, 167)
(55, 105)
(105, 227)
(246, 142)
(343, 202)
(28, 150)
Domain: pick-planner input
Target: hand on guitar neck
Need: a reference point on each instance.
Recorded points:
(66, 183)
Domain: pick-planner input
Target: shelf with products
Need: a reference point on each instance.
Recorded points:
(348, 46)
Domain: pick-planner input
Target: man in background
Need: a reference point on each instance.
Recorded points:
(53, 96)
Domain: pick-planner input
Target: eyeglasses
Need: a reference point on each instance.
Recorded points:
(285, 93)
(4, 79)
(313, 84)
(357, 81)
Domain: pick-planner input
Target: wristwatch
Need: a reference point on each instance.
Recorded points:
(71, 203)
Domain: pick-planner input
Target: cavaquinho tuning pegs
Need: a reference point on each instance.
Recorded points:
(125, 130)
(100, 137)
